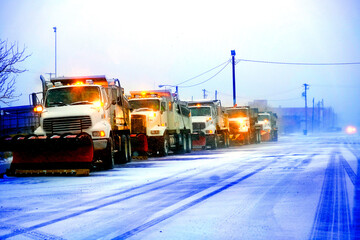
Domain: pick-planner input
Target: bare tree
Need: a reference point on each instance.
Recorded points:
(10, 55)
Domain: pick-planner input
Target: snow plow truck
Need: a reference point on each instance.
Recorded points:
(84, 123)
(269, 131)
(244, 128)
(160, 122)
(210, 124)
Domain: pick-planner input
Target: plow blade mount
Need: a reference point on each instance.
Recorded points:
(56, 154)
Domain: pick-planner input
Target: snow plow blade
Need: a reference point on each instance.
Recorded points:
(66, 154)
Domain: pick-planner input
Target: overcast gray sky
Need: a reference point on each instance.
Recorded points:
(148, 43)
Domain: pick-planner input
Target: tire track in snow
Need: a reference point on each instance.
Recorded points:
(30, 234)
(176, 211)
(22, 230)
(332, 218)
(353, 147)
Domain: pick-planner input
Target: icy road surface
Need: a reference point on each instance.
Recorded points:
(302, 187)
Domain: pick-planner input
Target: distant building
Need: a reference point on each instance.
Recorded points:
(293, 119)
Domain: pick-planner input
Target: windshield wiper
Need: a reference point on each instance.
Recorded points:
(80, 102)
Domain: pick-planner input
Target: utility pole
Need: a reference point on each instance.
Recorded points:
(306, 86)
(205, 95)
(215, 94)
(322, 113)
(312, 116)
(55, 53)
(318, 116)
(233, 53)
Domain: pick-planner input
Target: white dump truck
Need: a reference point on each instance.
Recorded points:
(84, 122)
(244, 127)
(159, 122)
(269, 130)
(210, 124)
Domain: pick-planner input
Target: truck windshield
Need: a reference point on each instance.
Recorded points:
(72, 95)
(151, 104)
(263, 117)
(200, 111)
(237, 113)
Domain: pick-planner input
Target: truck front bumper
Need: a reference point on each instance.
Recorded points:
(100, 144)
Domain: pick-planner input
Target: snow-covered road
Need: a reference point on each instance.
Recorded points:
(302, 187)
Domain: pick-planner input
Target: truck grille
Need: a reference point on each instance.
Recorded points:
(138, 124)
(66, 124)
(198, 125)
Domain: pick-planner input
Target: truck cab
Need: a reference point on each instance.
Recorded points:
(210, 124)
(269, 130)
(160, 123)
(243, 125)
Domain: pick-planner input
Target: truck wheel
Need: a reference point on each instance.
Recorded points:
(188, 143)
(129, 148)
(214, 144)
(181, 148)
(227, 140)
(164, 146)
(124, 149)
(109, 155)
(117, 154)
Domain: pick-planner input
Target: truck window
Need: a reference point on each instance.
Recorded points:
(72, 95)
(263, 117)
(163, 106)
(200, 111)
(105, 97)
(151, 104)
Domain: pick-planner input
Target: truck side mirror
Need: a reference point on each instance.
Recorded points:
(34, 99)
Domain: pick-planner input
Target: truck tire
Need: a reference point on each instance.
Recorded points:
(247, 139)
(109, 155)
(227, 140)
(181, 148)
(124, 154)
(117, 153)
(164, 146)
(129, 148)
(188, 143)
(214, 144)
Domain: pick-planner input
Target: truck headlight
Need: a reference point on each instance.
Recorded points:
(209, 131)
(98, 134)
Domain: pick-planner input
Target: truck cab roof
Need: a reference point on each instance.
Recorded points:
(97, 80)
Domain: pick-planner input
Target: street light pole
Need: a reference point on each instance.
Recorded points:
(233, 71)
(55, 53)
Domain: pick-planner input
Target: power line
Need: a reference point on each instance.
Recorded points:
(227, 63)
(202, 73)
(298, 63)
